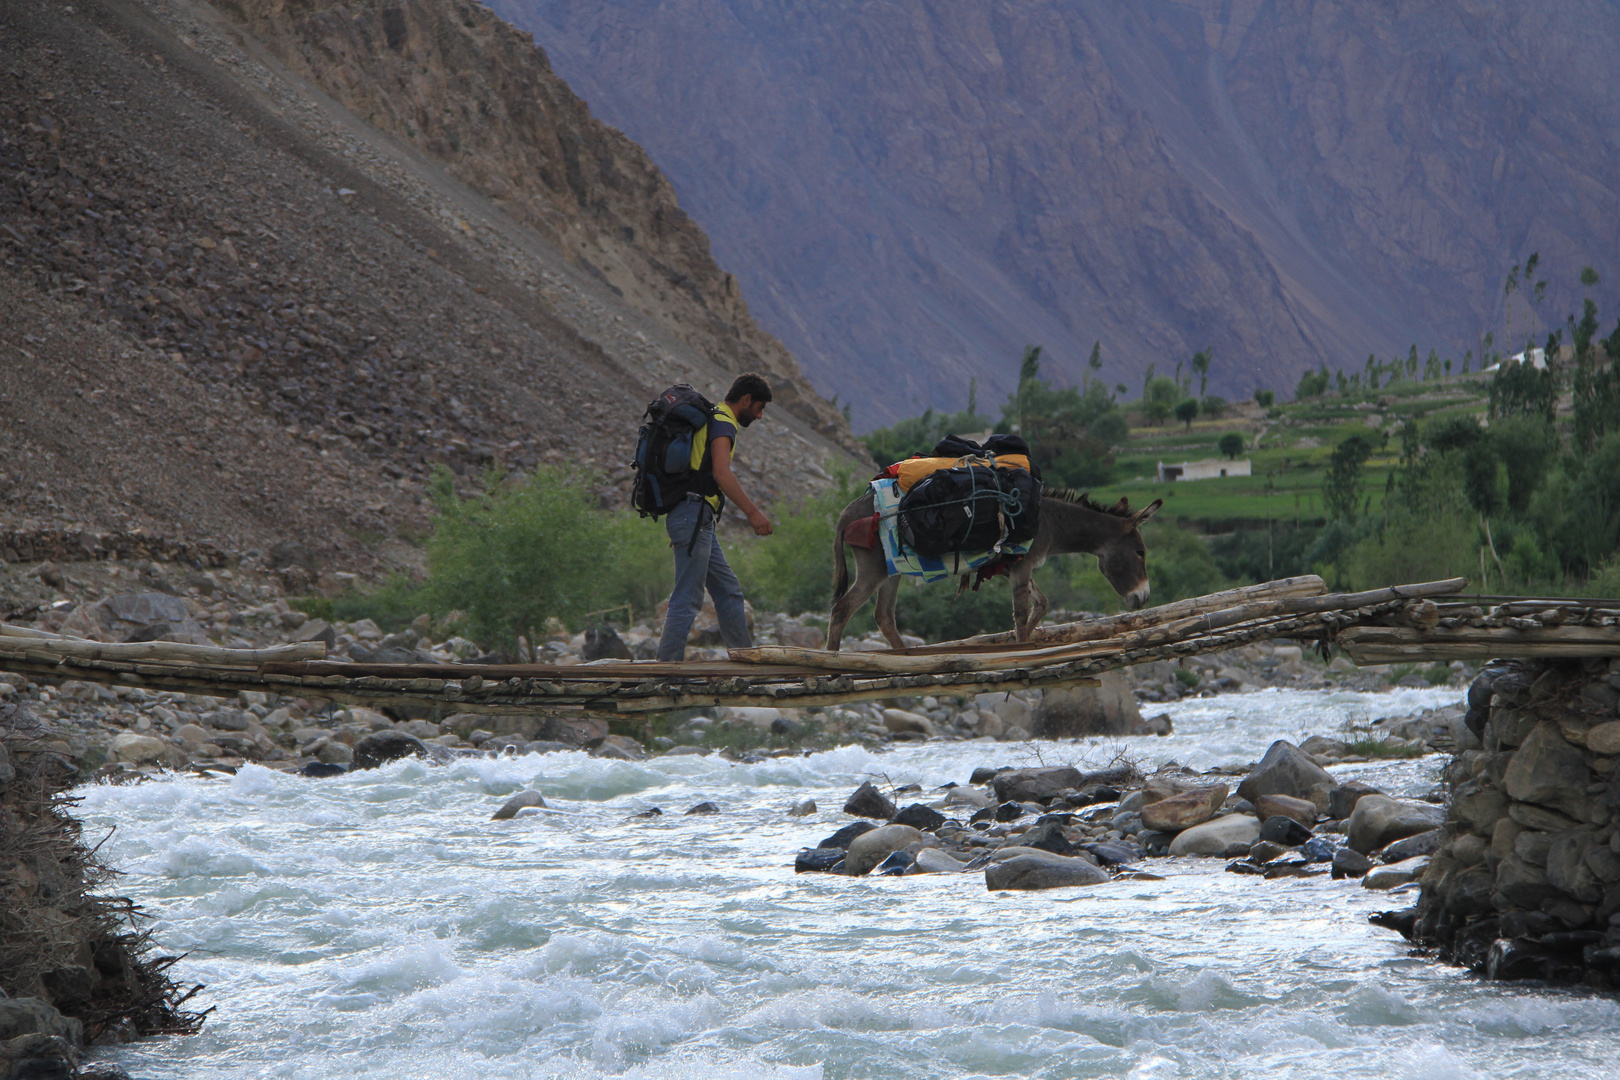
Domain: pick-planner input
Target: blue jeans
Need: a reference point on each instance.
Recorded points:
(700, 564)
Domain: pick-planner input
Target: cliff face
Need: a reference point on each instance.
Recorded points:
(233, 308)
(477, 95)
(911, 191)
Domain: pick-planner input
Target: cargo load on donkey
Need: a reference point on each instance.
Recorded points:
(964, 507)
(989, 495)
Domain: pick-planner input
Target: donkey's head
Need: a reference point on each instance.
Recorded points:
(1118, 545)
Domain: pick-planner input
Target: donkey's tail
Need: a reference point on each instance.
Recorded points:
(840, 567)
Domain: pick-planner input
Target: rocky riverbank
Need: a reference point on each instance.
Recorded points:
(75, 967)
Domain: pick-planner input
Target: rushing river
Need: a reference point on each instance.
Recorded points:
(381, 926)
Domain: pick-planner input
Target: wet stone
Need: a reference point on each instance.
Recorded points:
(919, 816)
(818, 860)
(1284, 830)
(843, 837)
(868, 801)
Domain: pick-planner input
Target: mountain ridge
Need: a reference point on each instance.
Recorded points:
(912, 191)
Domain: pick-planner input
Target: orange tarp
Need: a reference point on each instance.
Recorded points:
(914, 469)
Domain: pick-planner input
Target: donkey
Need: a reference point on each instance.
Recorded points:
(1070, 523)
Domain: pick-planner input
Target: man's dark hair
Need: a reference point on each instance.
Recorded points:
(749, 384)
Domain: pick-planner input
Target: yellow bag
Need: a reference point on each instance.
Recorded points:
(912, 470)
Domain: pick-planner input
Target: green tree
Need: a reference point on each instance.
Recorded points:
(1312, 384)
(1265, 398)
(1187, 411)
(1071, 432)
(1231, 444)
(1200, 364)
(1594, 508)
(1341, 487)
(1520, 389)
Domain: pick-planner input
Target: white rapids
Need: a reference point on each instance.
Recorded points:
(381, 926)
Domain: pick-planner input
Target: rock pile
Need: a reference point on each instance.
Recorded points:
(1524, 879)
(1056, 826)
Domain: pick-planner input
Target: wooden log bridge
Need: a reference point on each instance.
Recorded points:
(1404, 623)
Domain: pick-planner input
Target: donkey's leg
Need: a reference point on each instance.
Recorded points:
(870, 575)
(1037, 610)
(885, 612)
(1023, 594)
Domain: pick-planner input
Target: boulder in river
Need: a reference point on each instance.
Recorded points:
(871, 848)
(1036, 785)
(1032, 868)
(321, 770)
(803, 808)
(1347, 862)
(1424, 843)
(1045, 835)
(1288, 770)
(868, 801)
(1342, 802)
(935, 861)
(1284, 830)
(704, 808)
(845, 836)
(1380, 820)
(1183, 811)
(522, 800)
(1301, 810)
(920, 816)
(1217, 837)
(1395, 874)
(381, 747)
(818, 860)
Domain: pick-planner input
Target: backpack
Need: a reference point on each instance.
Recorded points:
(663, 462)
(969, 509)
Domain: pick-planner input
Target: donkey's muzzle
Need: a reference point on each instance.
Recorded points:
(1138, 597)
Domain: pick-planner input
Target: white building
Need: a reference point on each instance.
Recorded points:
(1208, 469)
(1536, 358)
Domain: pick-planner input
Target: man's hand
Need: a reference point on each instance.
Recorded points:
(762, 524)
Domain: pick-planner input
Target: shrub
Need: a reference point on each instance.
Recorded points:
(534, 548)
(1413, 547)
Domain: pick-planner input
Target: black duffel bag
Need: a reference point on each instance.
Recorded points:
(966, 509)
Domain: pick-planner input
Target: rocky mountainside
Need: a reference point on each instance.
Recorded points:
(250, 294)
(910, 191)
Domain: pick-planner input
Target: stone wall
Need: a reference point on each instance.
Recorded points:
(1527, 882)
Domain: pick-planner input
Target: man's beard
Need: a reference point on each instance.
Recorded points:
(745, 419)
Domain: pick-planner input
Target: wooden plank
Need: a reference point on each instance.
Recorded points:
(1398, 644)
(174, 652)
(1283, 588)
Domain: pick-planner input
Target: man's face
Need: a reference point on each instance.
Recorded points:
(748, 410)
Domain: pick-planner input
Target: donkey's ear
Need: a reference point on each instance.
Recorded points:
(1146, 512)
(1122, 507)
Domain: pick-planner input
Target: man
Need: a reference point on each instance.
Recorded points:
(699, 562)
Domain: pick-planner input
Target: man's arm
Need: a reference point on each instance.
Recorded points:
(720, 460)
